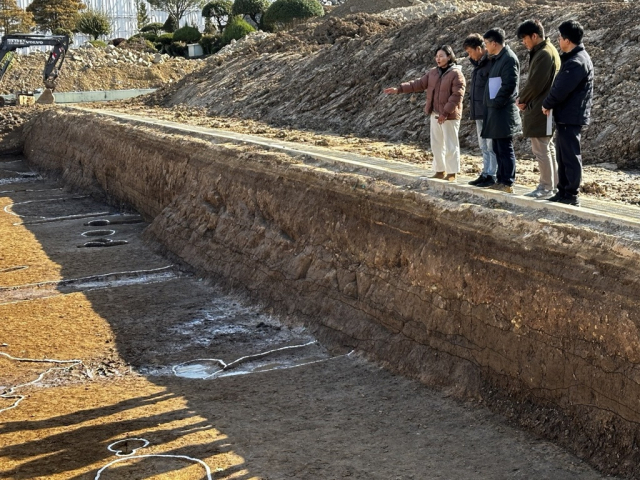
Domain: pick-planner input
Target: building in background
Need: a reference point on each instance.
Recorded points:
(123, 17)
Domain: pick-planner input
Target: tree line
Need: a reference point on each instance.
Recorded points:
(225, 20)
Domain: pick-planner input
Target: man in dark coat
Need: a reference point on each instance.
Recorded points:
(479, 58)
(544, 63)
(501, 115)
(570, 99)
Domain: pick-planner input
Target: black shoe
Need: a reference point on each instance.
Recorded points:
(571, 200)
(478, 180)
(488, 182)
(558, 197)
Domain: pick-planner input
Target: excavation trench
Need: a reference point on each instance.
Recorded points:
(532, 311)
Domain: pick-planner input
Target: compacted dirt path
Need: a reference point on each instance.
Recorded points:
(165, 376)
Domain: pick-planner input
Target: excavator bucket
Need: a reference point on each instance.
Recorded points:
(46, 97)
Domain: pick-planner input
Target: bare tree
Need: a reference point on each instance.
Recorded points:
(177, 8)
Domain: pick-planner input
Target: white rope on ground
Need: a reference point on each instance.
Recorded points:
(298, 365)
(65, 217)
(133, 450)
(101, 278)
(10, 205)
(29, 174)
(130, 456)
(10, 394)
(23, 179)
(94, 282)
(7, 162)
(29, 190)
(13, 269)
(264, 354)
(224, 366)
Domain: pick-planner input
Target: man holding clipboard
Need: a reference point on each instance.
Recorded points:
(501, 116)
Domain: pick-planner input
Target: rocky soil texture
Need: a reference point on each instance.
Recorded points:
(329, 75)
(392, 270)
(88, 68)
(324, 81)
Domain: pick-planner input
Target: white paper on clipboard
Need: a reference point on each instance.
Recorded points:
(494, 86)
(550, 123)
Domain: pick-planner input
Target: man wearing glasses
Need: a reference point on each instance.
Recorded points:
(570, 99)
(501, 115)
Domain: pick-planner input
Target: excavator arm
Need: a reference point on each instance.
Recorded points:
(60, 43)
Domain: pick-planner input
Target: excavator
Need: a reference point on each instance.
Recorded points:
(60, 43)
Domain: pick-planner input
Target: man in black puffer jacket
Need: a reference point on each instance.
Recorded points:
(570, 99)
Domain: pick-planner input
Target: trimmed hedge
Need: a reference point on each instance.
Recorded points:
(152, 28)
(236, 29)
(165, 39)
(187, 35)
(285, 12)
(211, 43)
(252, 8)
(170, 25)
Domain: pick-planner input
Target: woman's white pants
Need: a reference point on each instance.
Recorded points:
(445, 145)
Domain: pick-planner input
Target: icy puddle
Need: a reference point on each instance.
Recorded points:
(240, 340)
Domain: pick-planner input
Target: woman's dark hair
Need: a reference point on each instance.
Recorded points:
(495, 35)
(572, 31)
(449, 51)
(529, 27)
(474, 40)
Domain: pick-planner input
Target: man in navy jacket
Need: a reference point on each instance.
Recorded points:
(570, 98)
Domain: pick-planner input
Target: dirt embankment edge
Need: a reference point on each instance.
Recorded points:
(538, 319)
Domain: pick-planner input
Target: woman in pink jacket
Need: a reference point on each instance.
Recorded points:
(445, 87)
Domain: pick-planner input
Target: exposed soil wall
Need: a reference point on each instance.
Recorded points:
(539, 318)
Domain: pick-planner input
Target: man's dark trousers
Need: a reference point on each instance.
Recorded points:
(506, 157)
(569, 159)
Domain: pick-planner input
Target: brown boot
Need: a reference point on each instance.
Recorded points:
(451, 177)
(439, 175)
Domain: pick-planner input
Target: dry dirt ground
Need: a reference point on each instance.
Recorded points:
(140, 334)
(322, 83)
(89, 69)
(603, 181)
(132, 318)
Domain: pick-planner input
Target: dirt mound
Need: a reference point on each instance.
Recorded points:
(440, 8)
(371, 6)
(338, 86)
(89, 68)
(12, 120)
(354, 26)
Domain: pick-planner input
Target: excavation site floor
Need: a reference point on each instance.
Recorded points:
(119, 363)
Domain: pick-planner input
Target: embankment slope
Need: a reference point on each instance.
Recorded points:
(329, 75)
(534, 315)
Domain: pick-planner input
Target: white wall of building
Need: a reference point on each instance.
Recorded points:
(123, 17)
